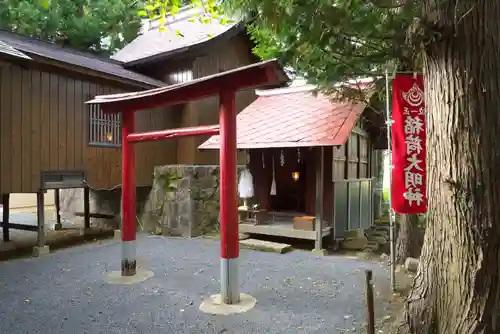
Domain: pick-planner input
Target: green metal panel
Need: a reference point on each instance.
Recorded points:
(340, 208)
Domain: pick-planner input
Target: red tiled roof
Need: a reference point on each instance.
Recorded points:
(293, 120)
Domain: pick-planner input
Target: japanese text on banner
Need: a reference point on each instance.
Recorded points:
(409, 146)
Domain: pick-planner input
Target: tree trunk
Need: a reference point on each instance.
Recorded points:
(457, 288)
(408, 242)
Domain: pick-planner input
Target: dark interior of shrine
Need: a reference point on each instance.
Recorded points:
(290, 189)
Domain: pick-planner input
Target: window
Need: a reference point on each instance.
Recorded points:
(104, 129)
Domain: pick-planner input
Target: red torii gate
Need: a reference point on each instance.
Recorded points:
(224, 84)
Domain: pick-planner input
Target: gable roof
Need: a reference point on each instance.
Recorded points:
(155, 45)
(10, 51)
(87, 61)
(265, 73)
(294, 118)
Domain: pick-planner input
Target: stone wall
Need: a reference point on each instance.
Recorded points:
(184, 201)
(101, 201)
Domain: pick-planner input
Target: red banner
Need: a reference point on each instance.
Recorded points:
(409, 175)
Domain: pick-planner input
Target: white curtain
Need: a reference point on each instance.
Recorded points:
(245, 186)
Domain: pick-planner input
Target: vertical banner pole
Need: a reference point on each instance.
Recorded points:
(128, 196)
(408, 149)
(392, 223)
(229, 241)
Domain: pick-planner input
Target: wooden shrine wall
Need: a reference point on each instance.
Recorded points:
(44, 126)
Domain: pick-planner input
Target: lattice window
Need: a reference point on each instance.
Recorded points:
(104, 128)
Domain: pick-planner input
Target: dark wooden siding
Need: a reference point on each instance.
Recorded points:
(206, 111)
(235, 53)
(352, 160)
(339, 162)
(44, 126)
(364, 153)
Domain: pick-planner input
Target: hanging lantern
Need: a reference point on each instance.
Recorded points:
(295, 176)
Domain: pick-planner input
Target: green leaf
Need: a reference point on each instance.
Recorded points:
(142, 13)
(178, 33)
(44, 3)
(81, 24)
(326, 43)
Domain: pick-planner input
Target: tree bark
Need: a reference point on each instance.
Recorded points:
(409, 242)
(457, 288)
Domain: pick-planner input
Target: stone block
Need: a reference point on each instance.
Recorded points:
(189, 207)
(41, 250)
(411, 265)
(379, 233)
(381, 240)
(383, 229)
(372, 246)
(266, 246)
(354, 234)
(320, 252)
(355, 244)
(365, 254)
(243, 236)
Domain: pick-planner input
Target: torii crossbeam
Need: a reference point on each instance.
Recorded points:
(226, 85)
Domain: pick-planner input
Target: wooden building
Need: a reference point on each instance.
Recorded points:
(319, 155)
(206, 49)
(50, 139)
(45, 125)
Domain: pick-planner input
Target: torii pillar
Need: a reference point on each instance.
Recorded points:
(229, 243)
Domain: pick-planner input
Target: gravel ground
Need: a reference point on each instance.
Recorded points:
(297, 292)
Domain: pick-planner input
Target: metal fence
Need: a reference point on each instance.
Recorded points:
(353, 205)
